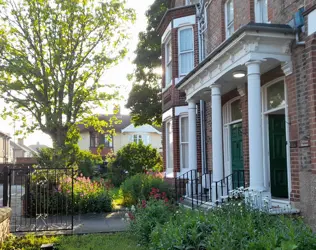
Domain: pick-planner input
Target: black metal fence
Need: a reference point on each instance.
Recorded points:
(41, 198)
(194, 190)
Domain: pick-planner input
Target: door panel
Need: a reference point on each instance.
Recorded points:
(237, 154)
(278, 164)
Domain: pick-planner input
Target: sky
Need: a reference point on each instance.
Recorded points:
(116, 75)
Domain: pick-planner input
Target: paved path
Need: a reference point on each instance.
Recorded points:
(97, 223)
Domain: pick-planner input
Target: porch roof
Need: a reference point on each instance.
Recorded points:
(246, 39)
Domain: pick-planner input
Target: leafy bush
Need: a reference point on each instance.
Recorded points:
(148, 214)
(132, 159)
(88, 196)
(139, 186)
(28, 242)
(234, 226)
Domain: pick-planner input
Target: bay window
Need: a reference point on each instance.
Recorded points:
(184, 142)
(186, 50)
(229, 16)
(169, 145)
(168, 62)
(261, 11)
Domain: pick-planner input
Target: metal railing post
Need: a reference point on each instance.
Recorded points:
(5, 186)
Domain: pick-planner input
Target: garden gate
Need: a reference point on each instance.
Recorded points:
(41, 198)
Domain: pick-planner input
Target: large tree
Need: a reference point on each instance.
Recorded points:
(52, 55)
(145, 98)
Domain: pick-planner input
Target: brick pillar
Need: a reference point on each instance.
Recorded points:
(245, 139)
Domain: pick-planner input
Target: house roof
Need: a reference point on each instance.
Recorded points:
(124, 127)
(125, 121)
(144, 129)
(37, 147)
(2, 134)
(22, 147)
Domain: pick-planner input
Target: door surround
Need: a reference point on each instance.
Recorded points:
(265, 131)
(227, 122)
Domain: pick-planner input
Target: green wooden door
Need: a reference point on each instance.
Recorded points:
(278, 165)
(237, 154)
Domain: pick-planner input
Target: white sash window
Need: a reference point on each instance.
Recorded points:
(186, 50)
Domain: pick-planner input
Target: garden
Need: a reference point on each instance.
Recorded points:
(156, 222)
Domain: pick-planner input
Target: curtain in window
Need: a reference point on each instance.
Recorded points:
(186, 51)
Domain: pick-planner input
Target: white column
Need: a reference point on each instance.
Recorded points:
(255, 127)
(217, 134)
(192, 135)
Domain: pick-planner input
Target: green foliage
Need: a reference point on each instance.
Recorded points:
(232, 227)
(88, 196)
(139, 187)
(52, 55)
(132, 159)
(29, 242)
(144, 101)
(145, 98)
(77, 242)
(149, 214)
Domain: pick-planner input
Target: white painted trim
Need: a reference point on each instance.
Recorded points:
(182, 21)
(226, 19)
(166, 33)
(167, 143)
(258, 8)
(167, 115)
(182, 170)
(311, 22)
(168, 40)
(181, 110)
(265, 125)
(227, 135)
(182, 74)
(249, 46)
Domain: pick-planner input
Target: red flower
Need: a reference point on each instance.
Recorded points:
(144, 204)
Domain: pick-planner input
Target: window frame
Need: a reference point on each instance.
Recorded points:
(181, 74)
(95, 140)
(181, 143)
(261, 16)
(231, 24)
(169, 134)
(168, 75)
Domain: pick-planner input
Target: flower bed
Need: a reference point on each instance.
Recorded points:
(88, 196)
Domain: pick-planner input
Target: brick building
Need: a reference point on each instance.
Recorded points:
(239, 96)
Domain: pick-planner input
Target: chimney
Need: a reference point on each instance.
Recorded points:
(21, 141)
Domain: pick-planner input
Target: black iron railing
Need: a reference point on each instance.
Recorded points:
(224, 187)
(193, 189)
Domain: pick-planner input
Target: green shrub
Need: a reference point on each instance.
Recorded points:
(132, 159)
(88, 196)
(148, 214)
(28, 242)
(139, 186)
(232, 227)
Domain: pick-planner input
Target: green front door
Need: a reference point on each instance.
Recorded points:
(278, 166)
(237, 154)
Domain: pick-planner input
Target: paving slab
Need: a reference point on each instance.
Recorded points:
(100, 223)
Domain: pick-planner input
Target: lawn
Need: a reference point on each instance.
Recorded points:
(98, 241)
(118, 241)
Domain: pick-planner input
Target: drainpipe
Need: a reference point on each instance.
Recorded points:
(202, 103)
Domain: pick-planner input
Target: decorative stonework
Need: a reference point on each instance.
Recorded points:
(249, 46)
(5, 214)
(241, 88)
(287, 68)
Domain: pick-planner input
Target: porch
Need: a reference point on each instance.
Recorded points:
(253, 123)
